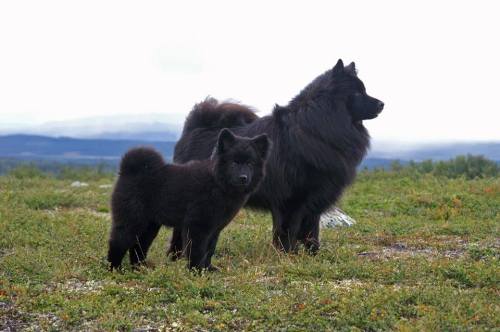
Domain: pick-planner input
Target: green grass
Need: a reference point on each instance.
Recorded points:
(424, 255)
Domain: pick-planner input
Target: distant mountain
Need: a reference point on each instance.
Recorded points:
(65, 148)
(144, 127)
(148, 136)
(371, 163)
(31, 147)
(436, 151)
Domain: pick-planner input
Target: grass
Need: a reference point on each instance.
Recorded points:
(424, 255)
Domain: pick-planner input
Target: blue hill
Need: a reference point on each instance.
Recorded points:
(65, 148)
(24, 147)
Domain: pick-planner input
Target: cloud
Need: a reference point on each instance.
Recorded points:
(435, 65)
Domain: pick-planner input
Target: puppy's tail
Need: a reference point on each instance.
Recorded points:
(141, 161)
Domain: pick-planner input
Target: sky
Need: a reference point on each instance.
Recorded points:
(435, 64)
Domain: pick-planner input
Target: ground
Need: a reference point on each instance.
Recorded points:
(424, 255)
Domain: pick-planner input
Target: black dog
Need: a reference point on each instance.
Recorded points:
(199, 198)
(319, 140)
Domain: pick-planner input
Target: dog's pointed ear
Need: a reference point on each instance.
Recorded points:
(262, 145)
(351, 68)
(339, 67)
(226, 138)
(280, 112)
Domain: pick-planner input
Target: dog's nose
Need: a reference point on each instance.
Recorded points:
(380, 106)
(243, 179)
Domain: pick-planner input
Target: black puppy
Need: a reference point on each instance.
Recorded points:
(199, 198)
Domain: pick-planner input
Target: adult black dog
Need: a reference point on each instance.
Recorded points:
(319, 140)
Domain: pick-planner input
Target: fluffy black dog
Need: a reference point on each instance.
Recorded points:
(319, 140)
(199, 198)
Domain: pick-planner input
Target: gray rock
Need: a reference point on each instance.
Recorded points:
(78, 184)
(335, 217)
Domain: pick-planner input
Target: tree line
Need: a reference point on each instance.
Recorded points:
(467, 166)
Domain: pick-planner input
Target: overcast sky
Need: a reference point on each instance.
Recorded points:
(435, 64)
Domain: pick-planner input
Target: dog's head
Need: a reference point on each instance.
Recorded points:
(240, 161)
(348, 87)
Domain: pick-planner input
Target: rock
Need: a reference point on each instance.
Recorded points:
(105, 186)
(335, 217)
(78, 184)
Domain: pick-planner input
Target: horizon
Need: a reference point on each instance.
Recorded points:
(45, 129)
(24, 148)
(386, 144)
(175, 127)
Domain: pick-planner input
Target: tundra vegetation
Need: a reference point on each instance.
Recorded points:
(423, 255)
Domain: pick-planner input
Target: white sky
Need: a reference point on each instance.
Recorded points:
(435, 64)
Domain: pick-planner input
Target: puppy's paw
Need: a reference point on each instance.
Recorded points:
(213, 268)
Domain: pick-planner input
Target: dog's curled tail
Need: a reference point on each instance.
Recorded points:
(211, 113)
(140, 161)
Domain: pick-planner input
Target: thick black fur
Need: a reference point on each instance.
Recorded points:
(318, 141)
(198, 199)
(212, 114)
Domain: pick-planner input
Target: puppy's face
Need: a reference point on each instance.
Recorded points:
(240, 161)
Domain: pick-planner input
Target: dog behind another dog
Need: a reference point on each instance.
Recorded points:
(199, 198)
(318, 141)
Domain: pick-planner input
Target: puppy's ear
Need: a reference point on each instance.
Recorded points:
(262, 145)
(339, 67)
(225, 140)
(351, 68)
